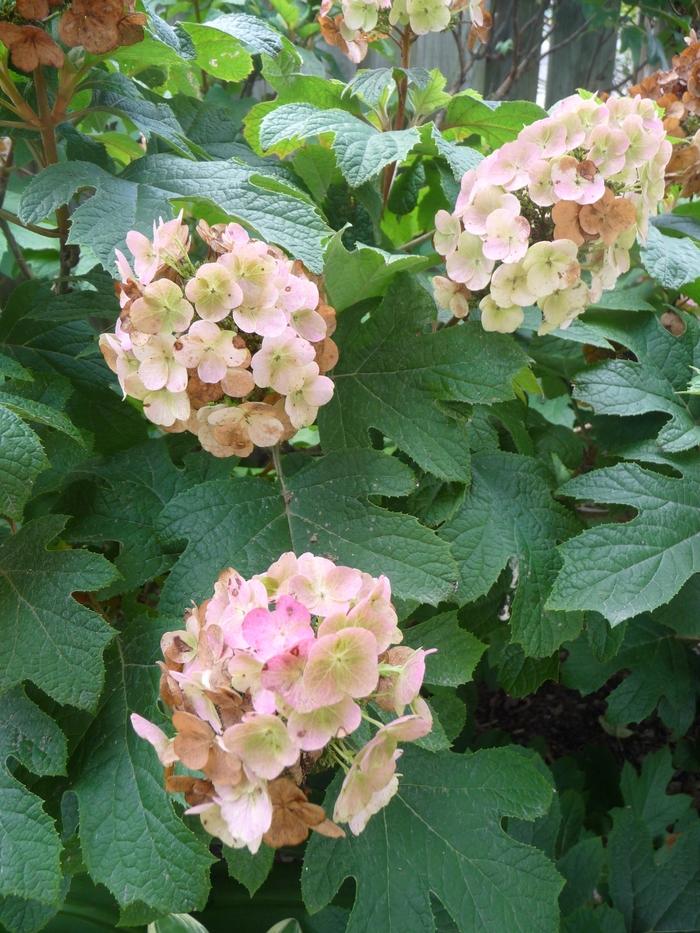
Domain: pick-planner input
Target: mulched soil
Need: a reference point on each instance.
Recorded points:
(567, 721)
(570, 724)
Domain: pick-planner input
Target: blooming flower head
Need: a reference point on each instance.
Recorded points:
(267, 681)
(234, 349)
(548, 219)
(359, 21)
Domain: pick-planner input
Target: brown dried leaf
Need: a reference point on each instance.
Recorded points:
(30, 47)
(92, 24)
(32, 9)
(608, 217)
(130, 28)
(566, 223)
(292, 814)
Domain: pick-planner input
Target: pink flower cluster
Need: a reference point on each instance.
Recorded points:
(267, 680)
(549, 219)
(360, 21)
(233, 349)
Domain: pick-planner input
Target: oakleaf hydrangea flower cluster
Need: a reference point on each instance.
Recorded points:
(233, 349)
(266, 682)
(361, 21)
(549, 219)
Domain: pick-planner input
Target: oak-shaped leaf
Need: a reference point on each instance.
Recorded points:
(655, 382)
(132, 840)
(622, 570)
(247, 523)
(46, 636)
(120, 498)
(661, 675)
(652, 893)
(30, 868)
(397, 377)
(442, 835)
(144, 190)
(509, 515)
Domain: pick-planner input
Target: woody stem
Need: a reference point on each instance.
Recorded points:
(400, 117)
(47, 129)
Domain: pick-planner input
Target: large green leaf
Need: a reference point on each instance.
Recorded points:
(30, 863)
(496, 123)
(117, 94)
(361, 149)
(132, 489)
(646, 792)
(621, 570)
(654, 895)
(247, 523)
(22, 458)
(351, 276)
(46, 636)
(146, 188)
(509, 514)
(38, 412)
(442, 834)
(660, 675)
(673, 261)
(224, 45)
(458, 651)
(652, 383)
(132, 840)
(393, 376)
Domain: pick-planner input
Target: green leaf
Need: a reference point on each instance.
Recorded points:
(460, 158)
(117, 94)
(135, 486)
(496, 123)
(250, 870)
(458, 651)
(602, 919)
(659, 676)
(509, 514)
(654, 895)
(653, 383)
(393, 375)
(30, 867)
(646, 792)
(673, 261)
(373, 84)
(22, 458)
(22, 916)
(361, 150)
(252, 33)
(327, 513)
(11, 369)
(351, 276)
(316, 167)
(145, 189)
(582, 866)
(425, 99)
(442, 834)
(176, 923)
(623, 570)
(30, 736)
(45, 635)
(30, 410)
(218, 52)
(132, 840)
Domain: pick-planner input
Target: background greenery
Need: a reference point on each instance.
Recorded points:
(535, 502)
